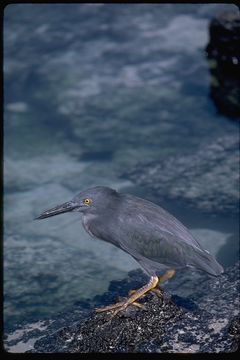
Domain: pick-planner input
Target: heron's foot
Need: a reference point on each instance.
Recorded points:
(121, 305)
(157, 292)
(137, 294)
(110, 307)
(131, 300)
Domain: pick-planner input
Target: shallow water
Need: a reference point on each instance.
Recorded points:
(89, 91)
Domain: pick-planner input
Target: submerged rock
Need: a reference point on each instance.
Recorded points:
(206, 180)
(206, 322)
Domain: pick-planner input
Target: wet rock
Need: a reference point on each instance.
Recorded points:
(223, 53)
(206, 322)
(206, 180)
(234, 330)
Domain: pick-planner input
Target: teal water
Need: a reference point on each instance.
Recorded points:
(90, 90)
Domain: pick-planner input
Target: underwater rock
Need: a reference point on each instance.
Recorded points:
(223, 53)
(205, 322)
(206, 180)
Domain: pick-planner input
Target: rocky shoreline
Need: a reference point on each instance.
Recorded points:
(208, 321)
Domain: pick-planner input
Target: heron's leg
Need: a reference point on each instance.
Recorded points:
(122, 305)
(168, 274)
(154, 291)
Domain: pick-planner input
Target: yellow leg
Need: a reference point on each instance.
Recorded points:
(136, 294)
(154, 291)
(168, 274)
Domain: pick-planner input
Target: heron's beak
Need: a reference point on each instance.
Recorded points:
(60, 209)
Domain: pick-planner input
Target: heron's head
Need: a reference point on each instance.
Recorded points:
(90, 201)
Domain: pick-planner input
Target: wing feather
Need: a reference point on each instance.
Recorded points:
(152, 233)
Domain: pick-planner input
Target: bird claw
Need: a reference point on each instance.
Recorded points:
(135, 295)
(140, 306)
(156, 292)
(110, 307)
(120, 306)
(123, 307)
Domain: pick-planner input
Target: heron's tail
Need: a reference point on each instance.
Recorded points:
(206, 262)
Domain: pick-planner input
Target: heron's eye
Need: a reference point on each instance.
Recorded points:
(87, 201)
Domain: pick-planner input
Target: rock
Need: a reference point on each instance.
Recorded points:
(206, 322)
(223, 53)
(206, 180)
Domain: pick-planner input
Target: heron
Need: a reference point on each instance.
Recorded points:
(159, 242)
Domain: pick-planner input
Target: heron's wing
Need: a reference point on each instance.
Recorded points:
(151, 221)
(168, 250)
(159, 237)
(158, 246)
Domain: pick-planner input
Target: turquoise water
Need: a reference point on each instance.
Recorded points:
(90, 90)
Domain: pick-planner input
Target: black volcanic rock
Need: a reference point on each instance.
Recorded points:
(206, 322)
(223, 53)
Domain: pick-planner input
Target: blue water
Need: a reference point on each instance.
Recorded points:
(90, 90)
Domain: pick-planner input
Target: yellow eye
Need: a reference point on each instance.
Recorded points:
(87, 201)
